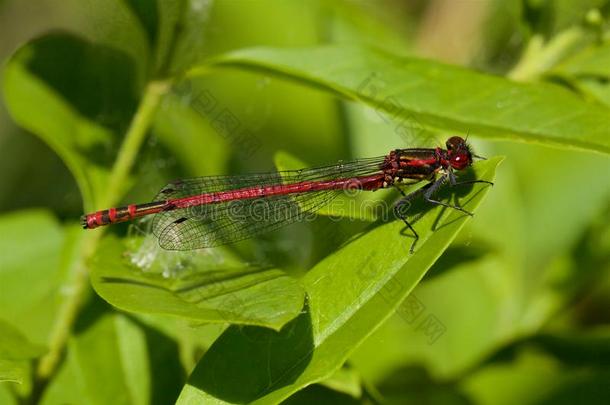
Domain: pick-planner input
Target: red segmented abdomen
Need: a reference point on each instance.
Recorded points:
(372, 182)
(121, 214)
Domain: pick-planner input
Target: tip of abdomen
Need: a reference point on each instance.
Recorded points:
(89, 221)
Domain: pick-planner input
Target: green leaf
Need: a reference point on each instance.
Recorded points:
(351, 293)
(345, 380)
(588, 71)
(173, 30)
(561, 14)
(189, 34)
(482, 272)
(524, 380)
(414, 384)
(442, 96)
(77, 97)
(177, 124)
(594, 61)
(354, 22)
(184, 336)
(15, 346)
(575, 348)
(198, 290)
(113, 350)
(598, 89)
(14, 370)
(318, 394)
(588, 389)
(545, 369)
(15, 351)
(148, 15)
(35, 262)
(7, 396)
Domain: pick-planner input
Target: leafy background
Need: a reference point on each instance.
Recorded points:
(104, 102)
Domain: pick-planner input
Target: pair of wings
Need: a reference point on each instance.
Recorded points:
(231, 221)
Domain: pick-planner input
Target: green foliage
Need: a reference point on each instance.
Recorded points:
(332, 325)
(510, 306)
(69, 119)
(439, 95)
(118, 351)
(15, 351)
(257, 296)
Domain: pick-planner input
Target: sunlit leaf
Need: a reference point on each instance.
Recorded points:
(594, 61)
(198, 290)
(350, 293)
(15, 351)
(78, 97)
(36, 255)
(138, 364)
(438, 95)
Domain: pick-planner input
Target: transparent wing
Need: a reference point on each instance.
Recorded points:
(211, 184)
(227, 222)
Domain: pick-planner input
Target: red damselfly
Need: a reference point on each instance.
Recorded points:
(211, 211)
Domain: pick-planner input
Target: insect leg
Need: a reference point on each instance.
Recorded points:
(406, 202)
(459, 183)
(434, 188)
(453, 180)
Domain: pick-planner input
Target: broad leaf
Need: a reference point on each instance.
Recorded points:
(345, 380)
(113, 350)
(350, 294)
(14, 370)
(545, 369)
(592, 62)
(588, 71)
(147, 13)
(482, 272)
(7, 396)
(37, 261)
(198, 289)
(438, 95)
(189, 34)
(78, 97)
(177, 124)
(558, 15)
(15, 351)
(36, 257)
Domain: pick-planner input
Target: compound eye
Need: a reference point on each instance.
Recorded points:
(455, 142)
(460, 161)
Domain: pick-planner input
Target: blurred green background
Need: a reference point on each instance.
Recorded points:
(524, 309)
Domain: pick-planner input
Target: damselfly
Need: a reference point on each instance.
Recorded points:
(211, 211)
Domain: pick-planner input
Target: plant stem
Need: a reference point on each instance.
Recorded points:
(133, 140)
(77, 286)
(539, 57)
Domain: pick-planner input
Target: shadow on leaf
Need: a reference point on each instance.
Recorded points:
(248, 362)
(413, 384)
(97, 81)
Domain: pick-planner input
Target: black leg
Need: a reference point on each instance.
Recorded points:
(406, 201)
(473, 182)
(399, 214)
(455, 207)
(428, 191)
(434, 187)
(453, 180)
